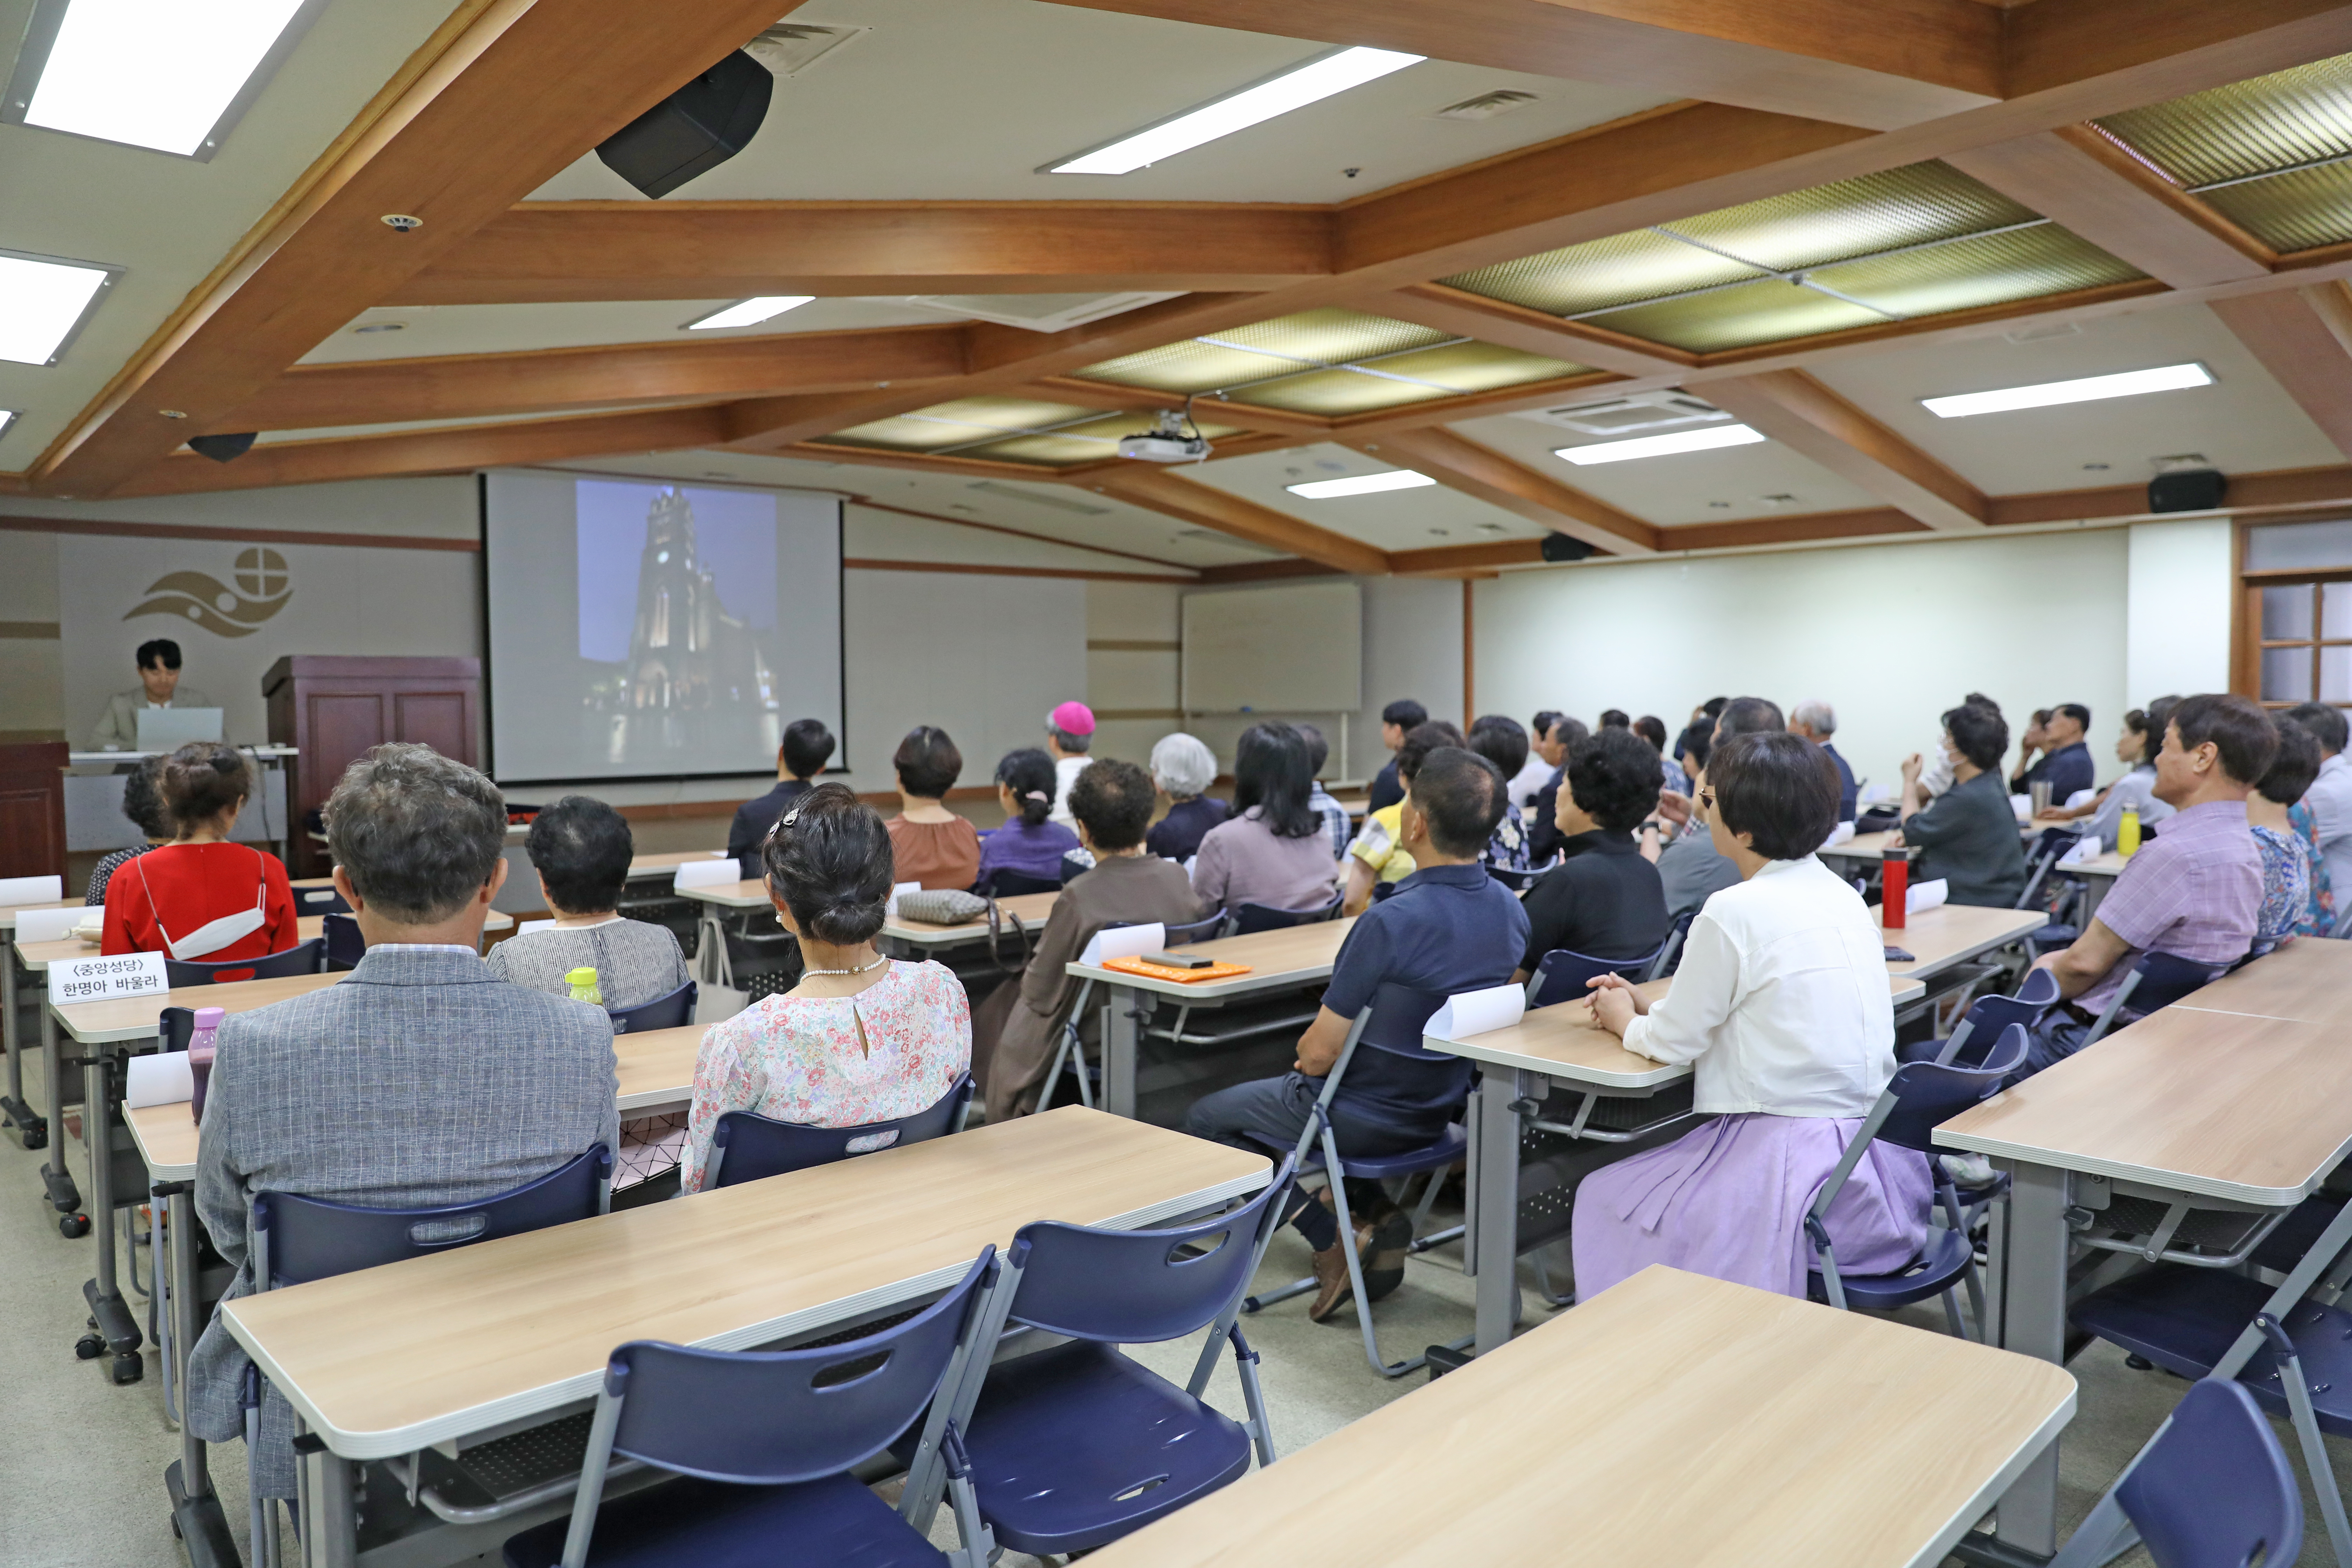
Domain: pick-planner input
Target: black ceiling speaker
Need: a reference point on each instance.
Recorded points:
(222, 448)
(1562, 547)
(2187, 490)
(694, 130)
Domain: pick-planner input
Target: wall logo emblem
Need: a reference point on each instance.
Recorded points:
(262, 588)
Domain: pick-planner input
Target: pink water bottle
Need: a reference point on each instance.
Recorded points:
(200, 1054)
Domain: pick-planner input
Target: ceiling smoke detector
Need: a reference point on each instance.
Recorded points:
(1666, 410)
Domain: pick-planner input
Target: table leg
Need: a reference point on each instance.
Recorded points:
(196, 1508)
(64, 1196)
(115, 1322)
(2095, 888)
(330, 1522)
(1494, 1236)
(2033, 1322)
(1120, 1039)
(12, 1109)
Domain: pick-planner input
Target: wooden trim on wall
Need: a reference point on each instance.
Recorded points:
(1469, 652)
(31, 631)
(2244, 618)
(859, 564)
(1124, 645)
(14, 524)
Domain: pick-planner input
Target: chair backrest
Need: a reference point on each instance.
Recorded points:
(345, 947)
(1988, 1017)
(320, 901)
(1140, 1287)
(1671, 948)
(175, 1028)
(1518, 881)
(1927, 1094)
(1248, 919)
(1561, 975)
(673, 1011)
(302, 958)
(2041, 855)
(1006, 883)
(2160, 979)
(1197, 930)
(2215, 1487)
(297, 1238)
(768, 1418)
(1398, 1017)
(745, 1146)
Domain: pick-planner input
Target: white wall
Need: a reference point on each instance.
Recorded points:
(1889, 635)
(2176, 638)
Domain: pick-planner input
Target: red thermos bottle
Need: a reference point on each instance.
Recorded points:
(1895, 882)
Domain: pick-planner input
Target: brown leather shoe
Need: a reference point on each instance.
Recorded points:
(1333, 1286)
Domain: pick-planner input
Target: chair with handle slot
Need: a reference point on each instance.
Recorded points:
(671, 1012)
(746, 1146)
(302, 958)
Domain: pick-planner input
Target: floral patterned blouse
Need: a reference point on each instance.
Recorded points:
(799, 1059)
(2319, 916)
(2286, 887)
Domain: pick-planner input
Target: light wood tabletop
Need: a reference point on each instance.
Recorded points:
(2222, 1104)
(751, 895)
(1946, 936)
(1031, 908)
(666, 865)
(166, 1136)
(1670, 1419)
(2107, 865)
(9, 913)
(133, 1017)
(1861, 847)
(1293, 955)
(388, 1360)
(2308, 980)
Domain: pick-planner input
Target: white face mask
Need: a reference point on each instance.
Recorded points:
(213, 935)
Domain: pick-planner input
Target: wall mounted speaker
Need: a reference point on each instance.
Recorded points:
(694, 130)
(1564, 547)
(2187, 490)
(222, 448)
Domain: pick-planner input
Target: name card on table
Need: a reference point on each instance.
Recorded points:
(15, 890)
(706, 874)
(1842, 834)
(163, 1079)
(2090, 847)
(50, 925)
(1924, 896)
(1125, 942)
(1477, 1012)
(106, 978)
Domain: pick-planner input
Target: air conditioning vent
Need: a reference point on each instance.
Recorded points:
(1487, 105)
(1038, 312)
(1622, 415)
(791, 46)
(1038, 497)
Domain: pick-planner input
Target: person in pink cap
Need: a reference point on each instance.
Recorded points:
(1069, 734)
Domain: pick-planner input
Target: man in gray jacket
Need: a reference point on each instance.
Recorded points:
(420, 1079)
(1690, 866)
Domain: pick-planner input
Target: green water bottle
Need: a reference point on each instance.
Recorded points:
(583, 981)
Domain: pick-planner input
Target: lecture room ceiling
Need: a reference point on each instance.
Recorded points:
(1571, 226)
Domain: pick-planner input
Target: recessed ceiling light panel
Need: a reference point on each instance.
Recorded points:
(165, 74)
(43, 300)
(7, 418)
(2086, 389)
(1293, 87)
(1660, 445)
(750, 312)
(1360, 485)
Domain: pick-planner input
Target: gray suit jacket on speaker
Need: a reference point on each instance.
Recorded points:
(120, 725)
(422, 1079)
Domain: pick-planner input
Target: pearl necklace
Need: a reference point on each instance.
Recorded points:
(868, 970)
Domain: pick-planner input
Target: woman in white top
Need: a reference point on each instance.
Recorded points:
(2143, 737)
(1782, 1004)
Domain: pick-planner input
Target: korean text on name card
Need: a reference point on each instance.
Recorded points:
(104, 979)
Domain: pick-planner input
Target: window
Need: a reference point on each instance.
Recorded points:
(2306, 637)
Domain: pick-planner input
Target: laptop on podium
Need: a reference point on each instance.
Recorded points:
(169, 729)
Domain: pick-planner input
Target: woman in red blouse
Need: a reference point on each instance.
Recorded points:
(202, 897)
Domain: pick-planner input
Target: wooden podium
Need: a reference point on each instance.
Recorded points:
(333, 707)
(33, 808)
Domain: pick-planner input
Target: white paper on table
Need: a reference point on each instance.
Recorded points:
(1842, 834)
(161, 1079)
(2089, 846)
(1125, 942)
(49, 925)
(2023, 805)
(1875, 794)
(891, 908)
(2080, 797)
(529, 926)
(1478, 1011)
(706, 874)
(719, 855)
(1924, 896)
(31, 890)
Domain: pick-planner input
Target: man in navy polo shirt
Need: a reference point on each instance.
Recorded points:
(1448, 928)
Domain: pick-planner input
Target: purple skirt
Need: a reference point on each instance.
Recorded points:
(1728, 1200)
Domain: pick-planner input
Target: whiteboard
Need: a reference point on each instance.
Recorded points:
(1278, 650)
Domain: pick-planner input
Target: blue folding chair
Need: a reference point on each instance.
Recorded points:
(1393, 1023)
(1987, 1017)
(2156, 981)
(763, 1443)
(1248, 919)
(1516, 880)
(1672, 949)
(671, 1012)
(320, 901)
(345, 946)
(2042, 857)
(302, 958)
(1920, 1097)
(1071, 1050)
(746, 1146)
(1073, 1446)
(1562, 976)
(1002, 883)
(2212, 1489)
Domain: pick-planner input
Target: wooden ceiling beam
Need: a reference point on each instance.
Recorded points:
(543, 251)
(2300, 335)
(1444, 309)
(1204, 506)
(1799, 413)
(1113, 397)
(1463, 465)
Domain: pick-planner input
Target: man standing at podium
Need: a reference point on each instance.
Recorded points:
(159, 687)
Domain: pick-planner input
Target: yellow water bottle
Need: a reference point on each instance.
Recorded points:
(2128, 833)
(583, 981)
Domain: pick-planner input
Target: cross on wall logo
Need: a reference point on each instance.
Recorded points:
(259, 586)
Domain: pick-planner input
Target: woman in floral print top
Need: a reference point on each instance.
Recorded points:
(861, 1039)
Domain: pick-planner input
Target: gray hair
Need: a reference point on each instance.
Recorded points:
(1183, 765)
(417, 834)
(1815, 715)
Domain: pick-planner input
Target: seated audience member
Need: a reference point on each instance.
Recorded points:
(581, 848)
(808, 746)
(1691, 868)
(1816, 721)
(1782, 1003)
(1449, 927)
(142, 803)
(1543, 838)
(1615, 719)
(1069, 736)
(2195, 890)
(2288, 907)
(1334, 814)
(2328, 802)
(2136, 748)
(422, 1079)
(1501, 741)
(933, 845)
(1275, 850)
(1652, 729)
(1398, 719)
(1936, 776)
(1603, 900)
(1184, 767)
(1377, 856)
(2066, 765)
(861, 1037)
(1029, 844)
(1968, 836)
(1537, 769)
(1128, 886)
(201, 897)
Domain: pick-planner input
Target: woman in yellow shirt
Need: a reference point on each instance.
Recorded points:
(1377, 856)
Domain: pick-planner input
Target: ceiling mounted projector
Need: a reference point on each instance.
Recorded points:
(1168, 442)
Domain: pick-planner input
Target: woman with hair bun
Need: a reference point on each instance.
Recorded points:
(1029, 844)
(861, 1037)
(201, 897)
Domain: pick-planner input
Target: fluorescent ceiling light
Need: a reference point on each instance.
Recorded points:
(2090, 388)
(1360, 485)
(7, 417)
(161, 74)
(750, 313)
(1294, 89)
(1660, 445)
(41, 303)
